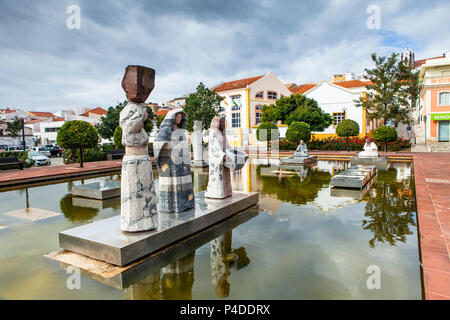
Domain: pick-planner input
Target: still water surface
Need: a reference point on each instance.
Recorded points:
(305, 241)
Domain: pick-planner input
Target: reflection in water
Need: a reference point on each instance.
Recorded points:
(145, 289)
(178, 278)
(390, 209)
(75, 213)
(222, 259)
(299, 189)
(173, 282)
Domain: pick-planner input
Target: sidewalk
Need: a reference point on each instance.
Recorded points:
(40, 174)
(432, 180)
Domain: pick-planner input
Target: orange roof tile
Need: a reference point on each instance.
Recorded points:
(58, 119)
(98, 110)
(42, 114)
(34, 121)
(8, 111)
(236, 84)
(162, 112)
(353, 83)
(301, 89)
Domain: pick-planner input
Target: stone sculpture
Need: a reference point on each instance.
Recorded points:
(138, 198)
(173, 158)
(197, 144)
(219, 184)
(370, 150)
(302, 150)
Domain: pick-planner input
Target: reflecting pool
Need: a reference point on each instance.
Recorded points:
(305, 240)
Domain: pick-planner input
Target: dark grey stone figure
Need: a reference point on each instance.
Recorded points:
(172, 156)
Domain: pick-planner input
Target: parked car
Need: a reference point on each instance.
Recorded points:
(13, 148)
(43, 150)
(3, 147)
(56, 150)
(39, 158)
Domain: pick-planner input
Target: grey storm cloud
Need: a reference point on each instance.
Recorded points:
(45, 66)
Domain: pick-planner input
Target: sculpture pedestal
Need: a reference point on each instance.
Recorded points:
(380, 162)
(138, 211)
(98, 190)
(103, 240)
(298, 160)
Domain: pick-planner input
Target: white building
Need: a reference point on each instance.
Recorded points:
(48, 132)
(243, 103)
(338, 99)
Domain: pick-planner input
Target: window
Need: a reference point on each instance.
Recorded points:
(258, 118)
(235, 103)
(338, 117)
(259, 95)
(51, 129)
(444, 98)
(236, 119)
(258, 107)
(272, 95)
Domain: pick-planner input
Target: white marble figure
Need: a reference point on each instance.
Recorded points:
(302, 150)
(370, 150)
(138, 210)
(219, 184)
(197, 141)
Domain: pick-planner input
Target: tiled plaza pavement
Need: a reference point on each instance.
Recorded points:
(432, 178)
(37, 174)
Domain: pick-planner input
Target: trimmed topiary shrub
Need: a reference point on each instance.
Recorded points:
(78, 135)
(298, 131)
(269, 135)
(347, 128)
(385, 134)
(118, 138)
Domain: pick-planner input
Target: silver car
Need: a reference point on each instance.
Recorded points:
(39, 158)
(43, 150)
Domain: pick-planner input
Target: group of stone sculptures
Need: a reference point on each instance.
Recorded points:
(139, 210)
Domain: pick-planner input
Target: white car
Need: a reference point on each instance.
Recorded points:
(39, 158)
(43, 150)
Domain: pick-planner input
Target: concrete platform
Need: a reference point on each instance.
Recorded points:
(354, 177)
(33, 214)
(123, 277)
(381, 163)
(98, 190)
(103, 240)
(298, 160)
(351, 193)
(95, 203)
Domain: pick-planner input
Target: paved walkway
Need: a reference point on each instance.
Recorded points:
(432, 179)
(39, 174)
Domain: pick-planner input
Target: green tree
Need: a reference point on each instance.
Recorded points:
(395, 88)
(110, 121)
(347, 128)
(298, 131)
(14, 127)
(159, 120)
(267, 137)
(297, 108)
(79, 135)
(118, 138)
(203, 105)
(385, 134)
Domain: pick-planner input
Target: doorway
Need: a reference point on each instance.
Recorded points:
(444, 131)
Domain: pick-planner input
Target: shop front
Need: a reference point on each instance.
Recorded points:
(442, 122)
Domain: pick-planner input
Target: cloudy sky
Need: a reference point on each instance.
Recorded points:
(46, 66)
